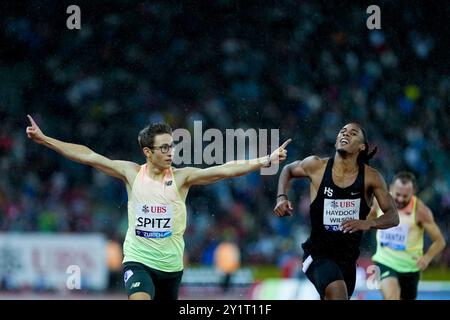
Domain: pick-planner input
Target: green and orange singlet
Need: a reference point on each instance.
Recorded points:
(400, 247)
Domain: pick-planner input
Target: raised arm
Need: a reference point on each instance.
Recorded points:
(424, 217)
(231, 169)
(82, 154)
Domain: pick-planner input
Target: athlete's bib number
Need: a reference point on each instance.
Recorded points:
(154, 220)
(336, 211)
(395, 238)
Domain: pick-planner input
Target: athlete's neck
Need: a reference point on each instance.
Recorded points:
(154, 172)
(345, 163)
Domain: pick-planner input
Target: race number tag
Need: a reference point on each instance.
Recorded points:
(336, 211)
(395, 238)
(154, 220)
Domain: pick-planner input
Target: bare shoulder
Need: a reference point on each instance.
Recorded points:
(129, 166)
(181, 173)
(129, 169)
(313, 163)
(187, 176)
(373, 176)
(423, 213)
(307, 167)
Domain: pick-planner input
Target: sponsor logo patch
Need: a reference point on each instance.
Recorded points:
(127, 275)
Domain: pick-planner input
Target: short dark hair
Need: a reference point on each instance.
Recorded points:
(364, 155)
(405, 177)
(146, 137)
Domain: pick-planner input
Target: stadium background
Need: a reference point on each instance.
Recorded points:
(305, 67)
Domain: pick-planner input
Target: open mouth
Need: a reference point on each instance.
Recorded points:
(344, 141)
(400, 205)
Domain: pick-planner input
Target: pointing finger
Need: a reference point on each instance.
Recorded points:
(31, 120)
(286, 143)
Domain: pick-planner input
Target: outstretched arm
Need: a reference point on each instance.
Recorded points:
(82, 154)
(388, 219)
(231, 169)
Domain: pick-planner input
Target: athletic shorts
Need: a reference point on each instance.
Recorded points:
(408, 281)
(322, 271)
(158, 284)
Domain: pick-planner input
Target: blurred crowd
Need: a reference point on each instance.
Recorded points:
(305, 67)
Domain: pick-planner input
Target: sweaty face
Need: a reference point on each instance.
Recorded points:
(163, 151)
(402, 193)
(350, 139)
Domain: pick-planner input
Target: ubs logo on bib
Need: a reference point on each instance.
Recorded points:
(154, 209)
(339, 210)
(154, 220)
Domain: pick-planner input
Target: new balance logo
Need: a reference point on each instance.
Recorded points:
(135, 285)
(328, 191)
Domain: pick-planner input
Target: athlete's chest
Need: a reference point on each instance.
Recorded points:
(337, 204)
(344, 181)
(406, 217)
(156, 192)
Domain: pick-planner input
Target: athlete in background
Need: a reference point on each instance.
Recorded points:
(399, 254)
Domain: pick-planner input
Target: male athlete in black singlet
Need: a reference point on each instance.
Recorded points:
(342, 188)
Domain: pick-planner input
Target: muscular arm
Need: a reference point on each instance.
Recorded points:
(425, 218)
(82, 154)
(231, 169)
(388, 219)
(373, 210)
(296, 169)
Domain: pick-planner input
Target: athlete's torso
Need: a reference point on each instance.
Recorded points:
(400, 247)
(331, 206)
(156, 222)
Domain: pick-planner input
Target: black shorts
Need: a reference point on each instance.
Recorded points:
(322, 271)
(158, 284)
(408, 281)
